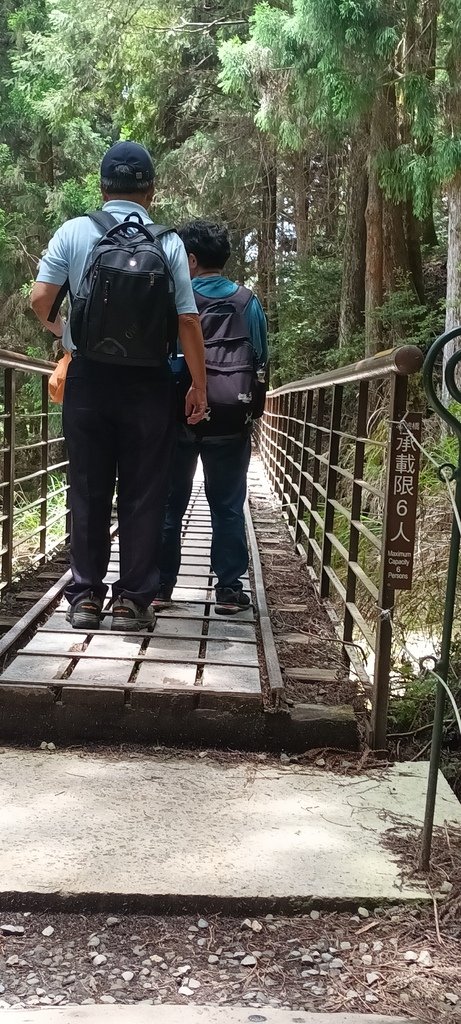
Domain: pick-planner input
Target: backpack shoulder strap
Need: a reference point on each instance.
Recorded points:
(157, 230)
(241, 299)
(103, 219)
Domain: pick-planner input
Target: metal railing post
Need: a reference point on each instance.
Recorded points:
(380, 701)
(356, 509)
(331, 482)
(316, 470)
(304, 461)
(448, 472)
(9, 384)
(44, 435)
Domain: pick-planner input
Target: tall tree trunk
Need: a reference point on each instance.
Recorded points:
(453, 311)
(46, 156)
(428, 51)
(332, 196)
(374, 230)
(396, 266)
(267, 235)
(413, 237)
(352, 306)
(301, 201)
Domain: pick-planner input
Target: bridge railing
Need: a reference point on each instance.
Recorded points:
(325, 445)
(33, 466)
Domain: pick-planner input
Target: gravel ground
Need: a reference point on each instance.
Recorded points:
(386, 961)
(289, 586)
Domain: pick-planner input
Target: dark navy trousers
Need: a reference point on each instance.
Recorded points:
(225, 466)
(118, 421)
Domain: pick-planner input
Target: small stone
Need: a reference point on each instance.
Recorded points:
(185, 991)
(363, 912)
(94, 942)
(202, 942)
(193, 984)
(213, 959)
(345, 945)
(451, 997)
(370, 997)
(363, 947)
(336, 964)
(108, 999)
(246, 923)
(269, 917)
(317, 990)
(249, 961)
(367, 959)
(99, 960)
(327, 958)
(128, 975)
(315, 914)
(50, 746)
(193, 928)
(425, 959)
(410, 957)
(446, 886)
(185, 969)
(48, 931)
(351, 994)
(12, 929)
(320, 762)
(284, 759)
(69, 980)
(378, 946)
(202, 923)
(256, 926)
(156, 959)
(111, 921)
(43, 745)
(306, 959)
(12, 960)
(372, 977)
(355, 919)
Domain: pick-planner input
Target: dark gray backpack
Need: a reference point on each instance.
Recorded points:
(230, 362)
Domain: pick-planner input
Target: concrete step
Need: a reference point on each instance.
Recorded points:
(185, 833)
(173, 1014)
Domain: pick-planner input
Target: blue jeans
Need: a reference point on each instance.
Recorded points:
(225, 466)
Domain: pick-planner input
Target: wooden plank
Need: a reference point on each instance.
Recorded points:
(313, 675)
(233, 652)
(104, 669)
(29, 669)
(153, 675)
(231, 679)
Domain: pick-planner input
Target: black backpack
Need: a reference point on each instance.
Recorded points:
(124, 312)
(232, 383)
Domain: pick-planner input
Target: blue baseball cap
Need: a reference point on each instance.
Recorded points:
(128, 164)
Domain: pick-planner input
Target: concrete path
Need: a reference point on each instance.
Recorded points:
(187, 1015)
(190, 832)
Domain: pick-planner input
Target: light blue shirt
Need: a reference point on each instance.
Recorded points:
(70, 247)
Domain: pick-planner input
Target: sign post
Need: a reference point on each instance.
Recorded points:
(402, 496)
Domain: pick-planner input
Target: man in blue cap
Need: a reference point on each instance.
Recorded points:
(130, 290)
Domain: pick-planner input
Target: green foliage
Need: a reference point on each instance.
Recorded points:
(308, 310)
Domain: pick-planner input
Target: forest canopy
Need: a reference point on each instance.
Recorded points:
(325, 133)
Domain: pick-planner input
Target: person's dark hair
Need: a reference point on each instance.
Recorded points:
(121, 182)
(208, 242)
